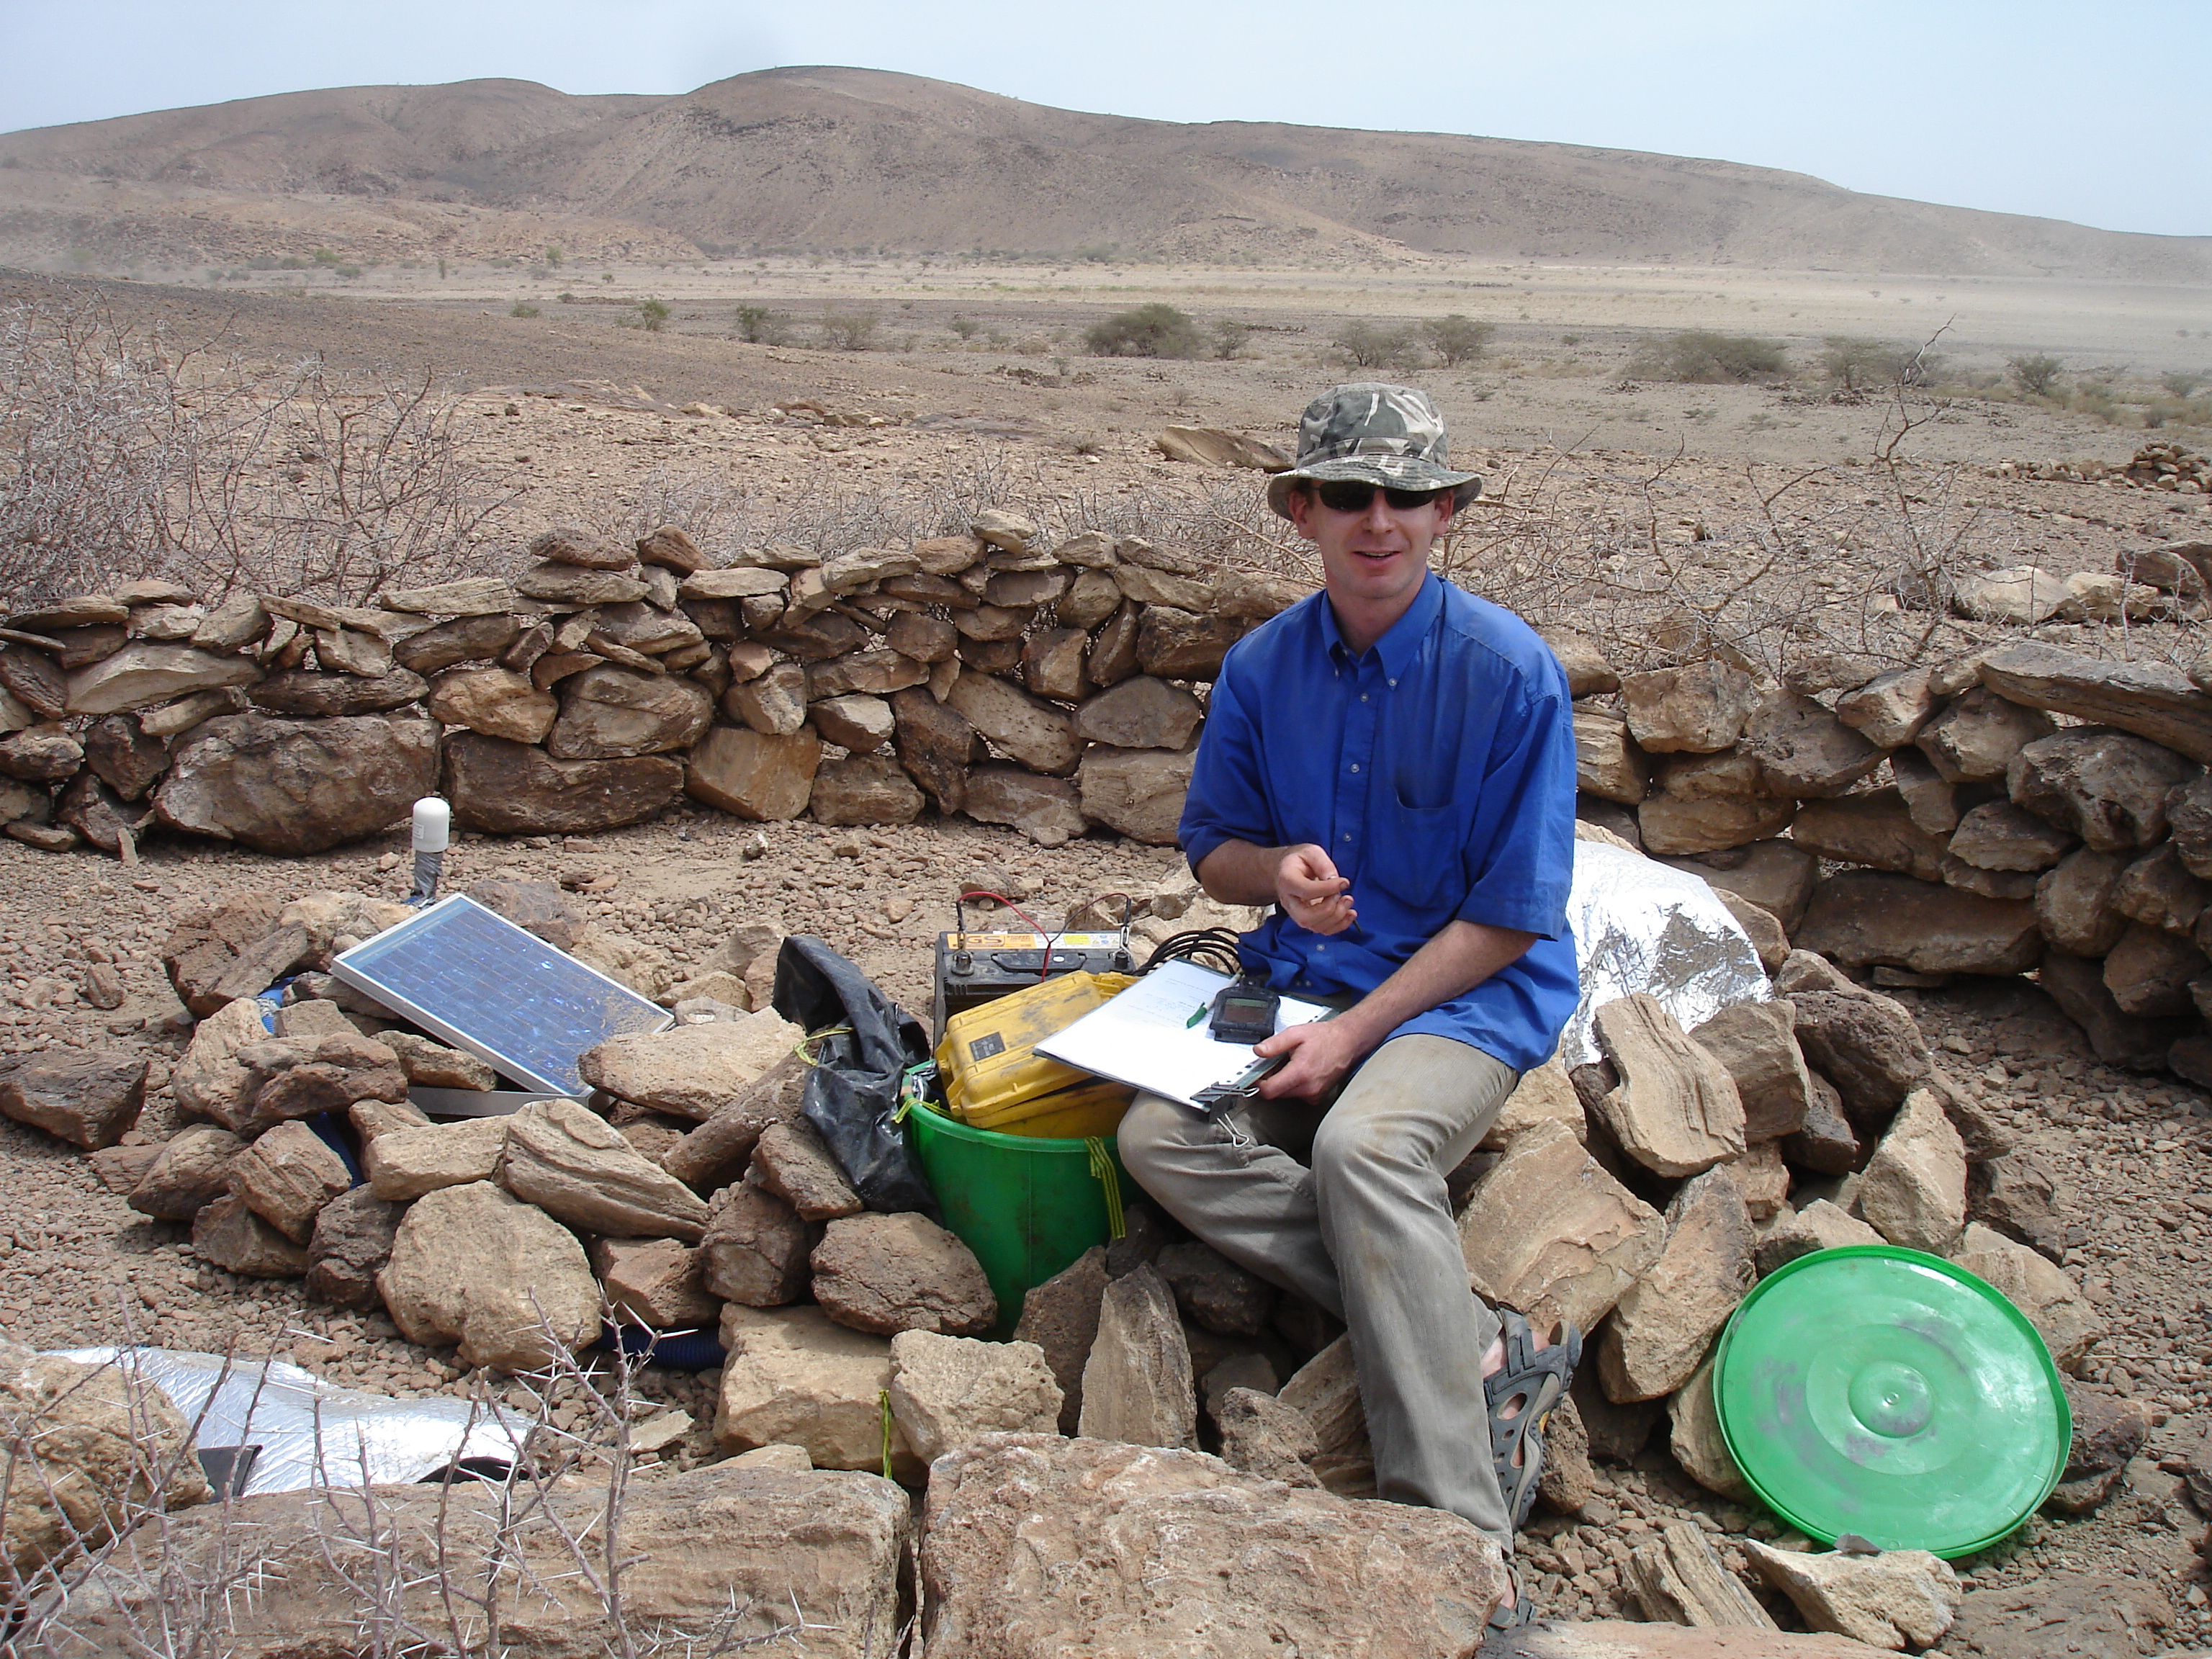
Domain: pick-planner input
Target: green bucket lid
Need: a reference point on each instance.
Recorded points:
(1884, 1392)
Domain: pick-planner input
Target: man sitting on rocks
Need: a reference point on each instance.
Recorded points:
(1391, 764)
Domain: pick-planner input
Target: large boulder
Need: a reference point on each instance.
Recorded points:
(1138, 792)
(1034, 732)
(1548, 1230)
(475, 1265)
(1674, 1110)
(293, 788)
(936, 745)
(1877, 829)
(2104, 786)
(1804, 751)
(1698, 709)
(2150, 699)
(1142, 713)
(89, 1100)
(948, 1391)
(755, 1248)
(887, 1273)
(1864, 917)
(1756, 1044)
(1867, 1045)
(1665, 1323)
(1976, 736)
(755, 774)
(352, 1241)
(1913, 1190)
(578, 1169)
(732, 1555)
(303, 693)
(1607, 763)
(793, 1378)
(496, 702)
(1137, 1382)
(1048, 811)
(690, 1071)
(89, 1450)
(142, 674)
(611, 714)
(287, 1177)
(864, 789)
(1037, 1547)
(518, 789)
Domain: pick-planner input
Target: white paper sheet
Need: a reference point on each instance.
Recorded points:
(1153, 1036)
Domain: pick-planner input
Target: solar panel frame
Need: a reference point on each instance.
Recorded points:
(417, 969)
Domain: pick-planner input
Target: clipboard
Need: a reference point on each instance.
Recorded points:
(1153, 1036)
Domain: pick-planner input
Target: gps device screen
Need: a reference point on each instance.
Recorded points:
(1244, 1013)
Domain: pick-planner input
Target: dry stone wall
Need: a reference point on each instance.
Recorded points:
(1042, 687)
(2024, 810)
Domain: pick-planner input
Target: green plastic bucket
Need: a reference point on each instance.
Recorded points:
(1026, 1205)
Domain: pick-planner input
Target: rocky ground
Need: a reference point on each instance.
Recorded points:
(623, 441)
(77, 1266)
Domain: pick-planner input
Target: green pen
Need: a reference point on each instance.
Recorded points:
(1197, 1017)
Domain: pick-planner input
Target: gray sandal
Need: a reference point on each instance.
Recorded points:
(1529, 1386)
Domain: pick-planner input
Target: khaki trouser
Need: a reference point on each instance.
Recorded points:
(1363, 1227)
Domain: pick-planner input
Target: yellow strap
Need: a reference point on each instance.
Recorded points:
(806, 1053)
(1101, 1166)
(883, 1399)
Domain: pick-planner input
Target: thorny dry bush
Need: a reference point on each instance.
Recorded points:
(1872, 570)
(172, 1586)
(128, 452)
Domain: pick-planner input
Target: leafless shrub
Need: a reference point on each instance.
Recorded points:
(492, 1551)
(127, 453)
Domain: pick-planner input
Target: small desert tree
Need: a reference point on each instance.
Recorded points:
(1456, 339)
(758, 325)
(653, 315)
(1157, 330)
(1697, 357)
(1231, 337)
(1856, 364)
(2036, 375)
(849, 331)
(1370, 345)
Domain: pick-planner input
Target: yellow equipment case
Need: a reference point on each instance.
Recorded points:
(994, 1079)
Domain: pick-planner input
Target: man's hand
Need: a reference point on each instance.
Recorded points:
(1322, 1053)
(1311, 893)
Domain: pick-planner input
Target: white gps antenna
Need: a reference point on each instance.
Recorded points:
(433, 832)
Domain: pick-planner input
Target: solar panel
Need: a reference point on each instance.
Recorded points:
(499, 991)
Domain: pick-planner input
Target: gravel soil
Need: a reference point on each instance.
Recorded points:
(77, 1266)
(619, 444)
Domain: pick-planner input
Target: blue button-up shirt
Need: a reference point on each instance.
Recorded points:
(1438, 767)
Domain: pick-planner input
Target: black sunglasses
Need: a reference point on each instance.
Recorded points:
(1350, 495)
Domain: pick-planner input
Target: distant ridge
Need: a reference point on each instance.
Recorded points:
(820, 159)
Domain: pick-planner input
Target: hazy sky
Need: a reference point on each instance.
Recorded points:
(2057, 107)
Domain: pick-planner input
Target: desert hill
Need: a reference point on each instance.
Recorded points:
(817, 158)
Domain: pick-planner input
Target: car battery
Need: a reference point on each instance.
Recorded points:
(974, 968)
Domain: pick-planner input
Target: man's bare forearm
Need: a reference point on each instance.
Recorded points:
(1238, 873)
(1461, 956)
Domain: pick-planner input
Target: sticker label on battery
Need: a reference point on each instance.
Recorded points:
(1033, 941)
(984, 1047)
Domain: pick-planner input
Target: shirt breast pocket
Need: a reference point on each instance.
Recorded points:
(1417, 856)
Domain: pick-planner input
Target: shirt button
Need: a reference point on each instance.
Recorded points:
(1394, 685)
(1363, 696)
(1355, 766)
(1346, 836)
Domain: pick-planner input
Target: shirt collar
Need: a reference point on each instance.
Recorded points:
(1402, 641)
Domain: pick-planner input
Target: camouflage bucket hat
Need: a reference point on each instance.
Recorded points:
(1390, 435)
